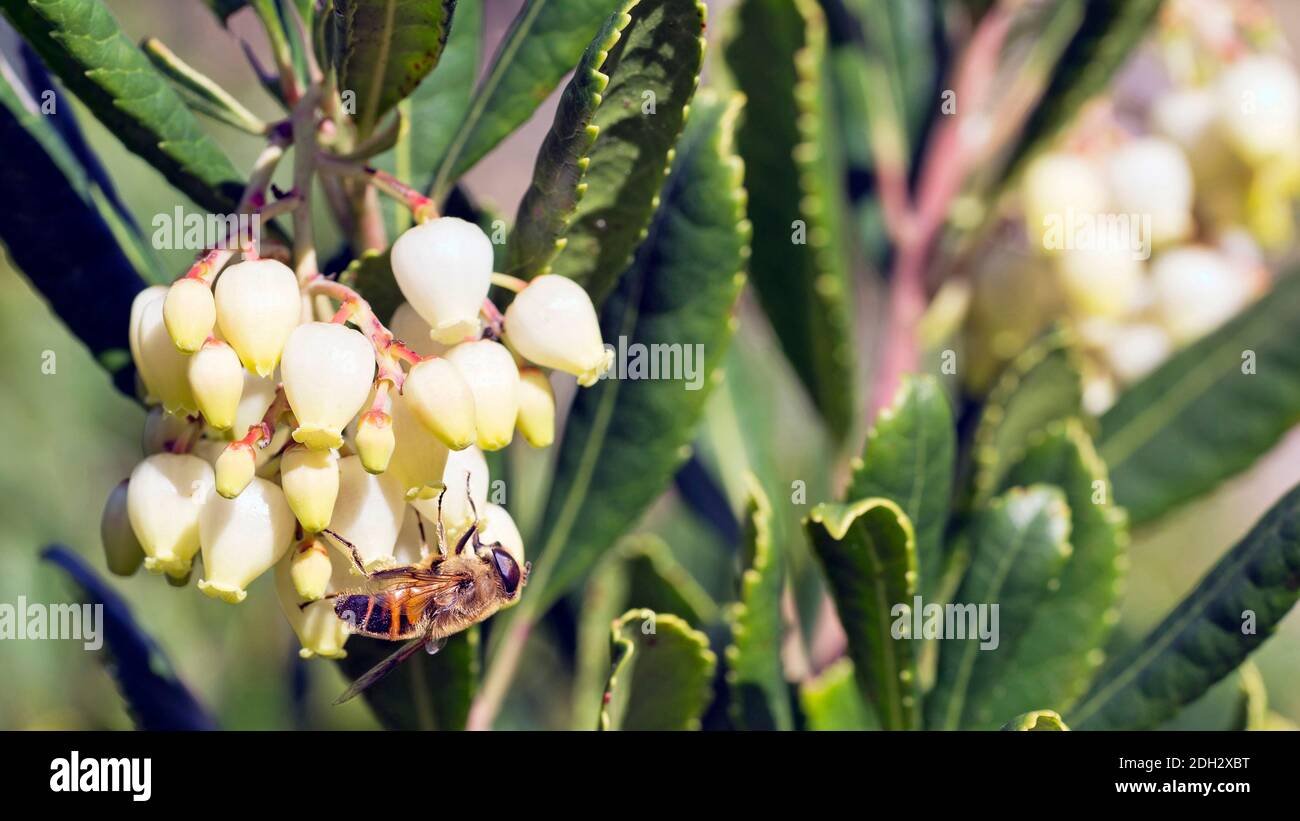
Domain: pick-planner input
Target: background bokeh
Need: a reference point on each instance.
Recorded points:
(69, 437)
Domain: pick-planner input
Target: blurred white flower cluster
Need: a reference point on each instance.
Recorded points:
(1155, 218)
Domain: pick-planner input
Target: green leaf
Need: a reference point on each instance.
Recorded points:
(653, 71)
(661, 675)
(1038, 720)
(1236, 606)
(657, 581)
(81, 43)
(155, 696)
(425, 692)
(549, 203)
(387, 47)
(1020, 546)
(760, 698)
(371, 275)
(603, 599)
(909, 458)
(1108, 33)
(832, 701)
(800, 270)
(1062, 647)
(898, 34)
(625, 438)
(869, 554)
(434, 111)
(1040, 386)
(91, 283)
(1203, 415)
(544, 43)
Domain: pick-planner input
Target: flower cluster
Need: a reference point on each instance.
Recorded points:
(287, 408)
(1153, 218)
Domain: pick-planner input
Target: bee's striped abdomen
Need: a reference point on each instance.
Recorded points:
(385, 615)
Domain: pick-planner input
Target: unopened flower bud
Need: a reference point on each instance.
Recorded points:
(375, 440)
(258, 306)
(165, 495)
(122, 551)
(1196, 291)
(326, 371)
(413, 332)
(1258, 102)
(442, 400)
(320, 632)
(1151, 177)
(310, 479)
(457, 512)
(444, 268)
(553, 324)
(235, 468)
(242, 538)
(164, 369)
(217, 381)
(536, 408)
(419, 456)
(368, 513)
(310, 569)
(190, 313)
(493, 378)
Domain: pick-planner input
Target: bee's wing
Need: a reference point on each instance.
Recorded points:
(381, 669)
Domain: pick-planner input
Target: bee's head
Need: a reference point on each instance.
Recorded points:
(509, 574)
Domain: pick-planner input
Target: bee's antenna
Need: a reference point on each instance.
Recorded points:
(469, 495)
(442, 530)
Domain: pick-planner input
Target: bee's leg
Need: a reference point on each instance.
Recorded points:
(306, 604)
(471, 536)
(356, 554)
(432, 646)
(424, 540)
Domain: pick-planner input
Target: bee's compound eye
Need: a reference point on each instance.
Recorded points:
(508, 569)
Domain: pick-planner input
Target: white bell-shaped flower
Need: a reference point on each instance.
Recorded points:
(418, 456)
(1149, 177)
(122, 551)
(499, 527)
(1258, 107)
(413, 546)
(326, 370)
(242, 538)
(440, 397)
(368, 513)
(1056, 188)
(133, 336)
(310, 479)
(254, 400)
(217, 382)
(444, 268)
(321, 633)
(536, 408)
(258, 306)
(1196, 290)
(493, 378)
(165, 495)
(161, 431)
(553, 324)
(190, 313)
(164, 369)
(457, 512)
(413, 332)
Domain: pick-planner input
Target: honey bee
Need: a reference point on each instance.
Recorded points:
(426, 602)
